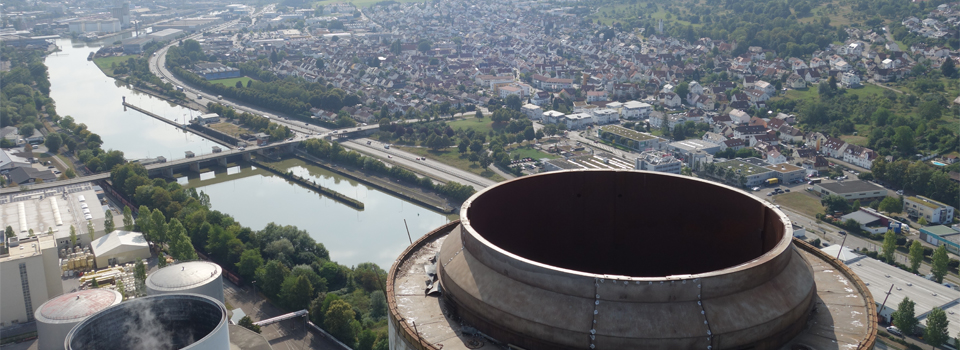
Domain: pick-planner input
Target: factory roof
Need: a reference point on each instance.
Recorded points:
(746, 168)
(926, 202)
(29, 248)
(624, 132)
(850, 186)
(879, 276)
(55, 207)
(118, 241)
(72, 307)
(183, 275)
(783, 168)
(693, 145)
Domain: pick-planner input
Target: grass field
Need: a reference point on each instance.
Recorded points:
(856, 140)
(799, 201)
(478, 125)
(233, 81)
(229, 129)
(530, 152)
(451, 157)
(104, 63)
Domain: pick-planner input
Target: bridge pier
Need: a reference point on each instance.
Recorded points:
(222, 161)
(195, 166)
(246, 156)
(167, 172)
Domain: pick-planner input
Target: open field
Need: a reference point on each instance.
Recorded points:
(233, 81)
(229, 129)
(451, 157)
(478, 125)
(799, 201)
(104, 63)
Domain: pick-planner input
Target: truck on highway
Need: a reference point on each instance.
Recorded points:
(772, 181)
(386, 146)
(814, 181)
(179, 88)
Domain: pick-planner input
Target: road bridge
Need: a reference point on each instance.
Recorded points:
(273, 150)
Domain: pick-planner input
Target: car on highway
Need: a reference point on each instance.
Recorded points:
(369, 142)
(755, 188)
(389, 156)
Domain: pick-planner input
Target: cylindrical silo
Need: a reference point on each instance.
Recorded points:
(57, 316)
(200, 277)
(159, 322)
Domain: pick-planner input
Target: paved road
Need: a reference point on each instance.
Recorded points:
(433, 169)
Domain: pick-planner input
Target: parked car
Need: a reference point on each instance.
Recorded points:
(895, 331)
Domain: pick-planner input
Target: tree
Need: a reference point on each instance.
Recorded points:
(94, 283)
(180, 246)
(108, 222)
(478, 115)
(424, 46)
(940, 263)
(378, 304)
(127, 219)
(296, 292)
(923, 221)
(683, 89)
(53, 142)
(856, 205)
(905, 318)
(337, 321)
(916, 255)
(91, 231)
(937, 323)
(159, 231)
(8, 232)
(905, 139)
(320, 64)
(121, 289)
(891, 205)
(143, 222)
(949, 68)
(365, 340)
(513, 102)
(835, 203)
(889, 246)
(73, 236)
(247, 323)
(140, 276)
(270, 277)
(238, 85)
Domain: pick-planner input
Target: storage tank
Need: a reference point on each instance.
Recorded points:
(159, 322)
(57, 316)
(200, 277)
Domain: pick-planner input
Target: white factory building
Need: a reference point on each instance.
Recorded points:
(120, 247)
(109, 25)
(927, 294)
(29, 276)
(54, 209)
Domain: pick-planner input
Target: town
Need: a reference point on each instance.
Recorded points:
(343, 121)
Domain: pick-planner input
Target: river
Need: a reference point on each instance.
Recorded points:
(82, 91)
(254, 197)
(376, 234)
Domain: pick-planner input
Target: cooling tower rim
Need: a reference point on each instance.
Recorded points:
(190, 275)
(198, 342)
(46, 314)
(785, 242)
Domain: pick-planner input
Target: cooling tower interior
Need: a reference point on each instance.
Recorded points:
(162, 322)
(625, 259)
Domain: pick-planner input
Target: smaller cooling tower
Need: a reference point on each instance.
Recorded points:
(159, 322)
(56, 317)
(199, 277)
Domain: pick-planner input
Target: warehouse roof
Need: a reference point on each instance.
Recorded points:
(117, 242)
(850, 186)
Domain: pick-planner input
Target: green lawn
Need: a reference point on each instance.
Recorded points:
(530, 152)
(478, 125)
(233, 81)
(802, 202)
(104, 63)
(856, 140)
(451, 157)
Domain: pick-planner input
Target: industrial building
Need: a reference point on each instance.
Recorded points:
(199, 277)
(120, 247)
(851, 190)
(659, 161)
(570, 279)
(532, 111)
(59, 315)
(55, 208)
(631, 139)
(214, 71)
(95, 25)
(942, 235)
(186, 25)
(135, 46)
(927, 294)
(693, 151)
(166, 34)
(635, 110)
(29, 276)
(587, 162)
(932, 211)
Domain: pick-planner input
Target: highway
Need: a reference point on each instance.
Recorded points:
(303, 130)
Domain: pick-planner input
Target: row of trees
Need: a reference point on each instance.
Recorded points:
(919, 177)
(284, 262)
(335, 152)
(252, 121)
